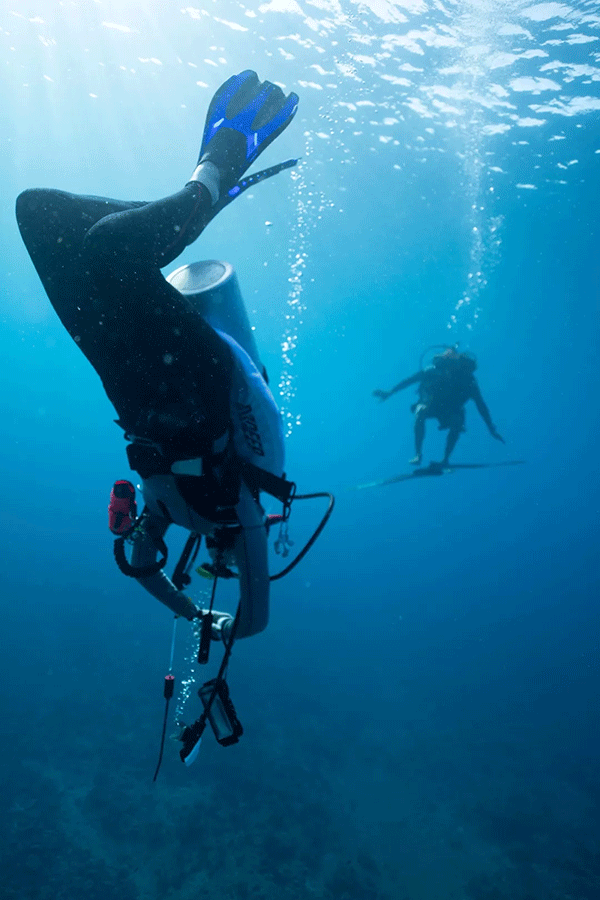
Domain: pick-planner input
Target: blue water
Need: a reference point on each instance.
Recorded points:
(421, 715)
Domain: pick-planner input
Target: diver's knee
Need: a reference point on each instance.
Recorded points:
(30, 205)
(96, 247)
(103, 255)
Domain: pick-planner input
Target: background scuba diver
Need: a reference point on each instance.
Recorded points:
(444, 388)
(175, 381)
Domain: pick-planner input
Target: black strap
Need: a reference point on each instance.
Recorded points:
(149, 458)
(180, 577)
(259, 479)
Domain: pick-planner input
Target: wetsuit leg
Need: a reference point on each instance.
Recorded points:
(99, 261)
(451, 440)
(420, 417)
(455, 428)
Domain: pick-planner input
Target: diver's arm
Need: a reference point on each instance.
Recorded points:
(159, 585)
(483, 411)
(384, 395)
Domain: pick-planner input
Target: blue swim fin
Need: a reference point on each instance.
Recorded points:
(244, 117)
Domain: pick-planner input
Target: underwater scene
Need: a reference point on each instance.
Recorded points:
(397, 320)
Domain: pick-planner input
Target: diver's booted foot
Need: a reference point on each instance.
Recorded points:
(415, 461)
(244, 117)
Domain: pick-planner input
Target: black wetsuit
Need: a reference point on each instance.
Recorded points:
(443, 393)
(162, 366)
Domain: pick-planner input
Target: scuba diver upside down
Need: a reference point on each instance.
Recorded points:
(176, 356)
(444, 388)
